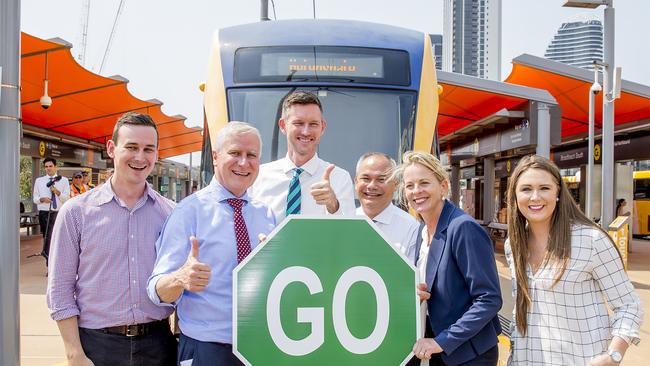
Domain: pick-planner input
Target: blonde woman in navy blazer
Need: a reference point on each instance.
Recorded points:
(455, 257)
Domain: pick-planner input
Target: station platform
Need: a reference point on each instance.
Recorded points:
(41, 344)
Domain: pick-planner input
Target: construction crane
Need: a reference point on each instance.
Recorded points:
(110, 37)
(85, 15)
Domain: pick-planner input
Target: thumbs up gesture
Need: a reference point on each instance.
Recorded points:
(324, 194)
(194, 275)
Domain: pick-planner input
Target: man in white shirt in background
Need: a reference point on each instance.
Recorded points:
(375, 189)
(50, 192)
(301, 182)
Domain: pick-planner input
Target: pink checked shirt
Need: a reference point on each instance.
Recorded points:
(101, 257)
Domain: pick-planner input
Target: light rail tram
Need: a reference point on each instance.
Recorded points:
(377, 84)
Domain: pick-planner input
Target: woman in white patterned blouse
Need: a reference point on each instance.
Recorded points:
(566, 273)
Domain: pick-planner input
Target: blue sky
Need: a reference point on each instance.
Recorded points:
(162, 46)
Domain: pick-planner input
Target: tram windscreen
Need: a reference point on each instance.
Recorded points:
(358, 121)
(322, 63)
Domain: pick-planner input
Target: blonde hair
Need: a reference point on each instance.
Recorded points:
(422, 158)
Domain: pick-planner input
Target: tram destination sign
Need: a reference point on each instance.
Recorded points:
(325, 291)
(314, 63)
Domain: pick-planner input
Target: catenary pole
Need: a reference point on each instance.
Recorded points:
(264, 10)
(9, 217)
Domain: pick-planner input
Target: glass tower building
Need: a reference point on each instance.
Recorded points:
(578, 42)
(472, 38)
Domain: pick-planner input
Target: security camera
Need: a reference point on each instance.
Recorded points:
(596, 88)
(45, 101)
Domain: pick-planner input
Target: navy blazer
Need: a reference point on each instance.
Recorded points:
(464, 286)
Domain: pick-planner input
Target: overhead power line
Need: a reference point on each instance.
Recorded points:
(110, 37)
(275, 17)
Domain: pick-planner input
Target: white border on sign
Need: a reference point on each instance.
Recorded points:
(284, 222)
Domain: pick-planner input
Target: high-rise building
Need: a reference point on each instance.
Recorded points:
(472, 37)
(436, 44)
(578, 42)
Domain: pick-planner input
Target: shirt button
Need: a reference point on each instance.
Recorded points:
(132, 259)
(135, 306)
(134, 281)
(132, 236)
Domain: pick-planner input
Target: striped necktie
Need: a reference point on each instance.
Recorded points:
(293, 198)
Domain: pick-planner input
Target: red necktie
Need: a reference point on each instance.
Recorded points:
(241, 233)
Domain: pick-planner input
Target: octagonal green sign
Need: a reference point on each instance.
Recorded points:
(325, 291)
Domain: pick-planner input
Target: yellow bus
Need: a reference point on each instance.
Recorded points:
(642, 202)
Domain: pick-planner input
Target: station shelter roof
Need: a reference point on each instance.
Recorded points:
(86, 105)
(466, 100)
(570, 86)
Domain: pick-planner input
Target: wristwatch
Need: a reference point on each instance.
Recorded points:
(616, 356)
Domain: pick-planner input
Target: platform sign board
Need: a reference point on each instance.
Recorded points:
(325, 291)
(618, 231)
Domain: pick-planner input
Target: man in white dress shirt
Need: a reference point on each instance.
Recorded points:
(50, 191)
(301, 182)
(375, 190)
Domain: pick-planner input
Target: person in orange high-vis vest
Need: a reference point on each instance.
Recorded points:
(77, 187)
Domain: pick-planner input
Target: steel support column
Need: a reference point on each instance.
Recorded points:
(455, 183)
(488, 190)
(543, 130)
(9, 166)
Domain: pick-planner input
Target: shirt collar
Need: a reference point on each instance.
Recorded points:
(105, 193)
(310, 166)
(386, 216)
(221, 193)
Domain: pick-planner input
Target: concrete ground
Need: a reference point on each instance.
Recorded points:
(41, 344)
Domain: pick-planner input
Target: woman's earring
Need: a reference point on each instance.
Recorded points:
(557, 199)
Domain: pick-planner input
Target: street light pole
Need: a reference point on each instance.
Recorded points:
(607, 148)
(607, 202)
(595, 89)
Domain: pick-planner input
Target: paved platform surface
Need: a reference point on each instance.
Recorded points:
(41, 344)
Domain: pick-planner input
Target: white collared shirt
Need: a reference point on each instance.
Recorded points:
(400, 228)
(41, 190)
(272, 187)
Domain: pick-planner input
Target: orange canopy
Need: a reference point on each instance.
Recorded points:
(570, 87)
(86, 105)
(466, 100)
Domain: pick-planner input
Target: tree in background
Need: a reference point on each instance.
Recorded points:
(25, 180)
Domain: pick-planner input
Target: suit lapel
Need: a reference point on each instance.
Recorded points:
(438, 243)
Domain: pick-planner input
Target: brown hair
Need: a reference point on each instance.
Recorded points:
(134, 119)
(565, 215)
(299, 97)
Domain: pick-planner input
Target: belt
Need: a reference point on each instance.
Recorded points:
(134, 330)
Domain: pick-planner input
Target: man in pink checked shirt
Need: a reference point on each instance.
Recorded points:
(103, 251)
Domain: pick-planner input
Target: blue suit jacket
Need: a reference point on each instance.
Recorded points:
(464, 285)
